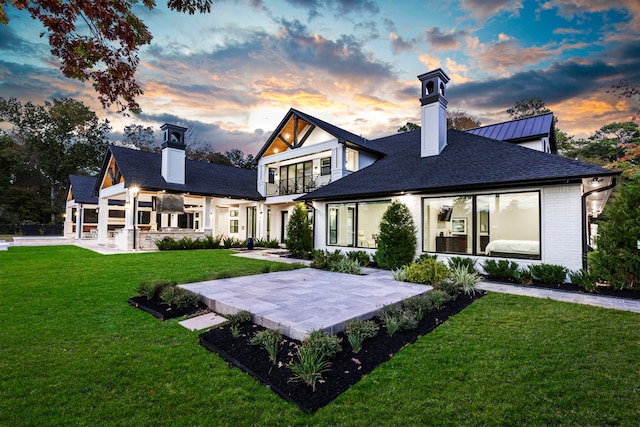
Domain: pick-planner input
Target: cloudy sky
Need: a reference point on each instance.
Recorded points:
(233, 74)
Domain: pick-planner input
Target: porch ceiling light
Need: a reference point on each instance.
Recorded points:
(134, 191)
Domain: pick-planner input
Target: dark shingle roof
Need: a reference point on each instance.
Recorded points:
(468, 162)
(144, 169)
(82, 188)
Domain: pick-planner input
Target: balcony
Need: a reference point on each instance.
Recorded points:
(300, 185)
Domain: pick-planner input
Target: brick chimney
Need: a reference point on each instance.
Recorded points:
(433, 112)
(173, 153)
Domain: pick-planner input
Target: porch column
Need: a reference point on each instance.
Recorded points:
(207, 216)
(130, 213)
(261, 225)
(103, 220)
(78, 219)
(68, 221)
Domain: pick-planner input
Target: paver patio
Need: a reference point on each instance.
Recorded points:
(298, 301)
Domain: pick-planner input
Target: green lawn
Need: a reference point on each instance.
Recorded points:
(73, 352)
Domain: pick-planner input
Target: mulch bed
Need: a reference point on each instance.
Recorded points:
(568, 287)
(162, 311)
(347, 368)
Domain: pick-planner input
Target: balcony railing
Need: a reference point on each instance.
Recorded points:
(298, 185)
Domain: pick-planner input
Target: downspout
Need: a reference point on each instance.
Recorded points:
(585, 231)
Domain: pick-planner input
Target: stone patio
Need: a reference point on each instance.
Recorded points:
(298, 301)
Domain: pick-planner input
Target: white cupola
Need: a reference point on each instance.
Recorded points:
(173, 153)
(433, 112)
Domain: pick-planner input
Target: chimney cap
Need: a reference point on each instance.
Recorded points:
(435, 73)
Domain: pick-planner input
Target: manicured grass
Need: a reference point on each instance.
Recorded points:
(73, 352)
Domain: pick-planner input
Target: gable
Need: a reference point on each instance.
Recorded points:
(112, 175)
(298, 129)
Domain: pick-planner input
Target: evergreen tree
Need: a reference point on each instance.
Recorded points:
(397, 240)
(616, 258)
(299, 236)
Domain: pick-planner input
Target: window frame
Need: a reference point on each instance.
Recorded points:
(355, 213)
(474, 226)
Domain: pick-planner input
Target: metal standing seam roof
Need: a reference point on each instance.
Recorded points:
(527, 127)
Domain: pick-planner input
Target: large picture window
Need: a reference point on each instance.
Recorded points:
(355, 224)
(504, 225)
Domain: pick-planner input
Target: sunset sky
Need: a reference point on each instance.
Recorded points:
(233, 74)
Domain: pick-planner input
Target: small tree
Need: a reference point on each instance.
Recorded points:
(299, 238)
(397, 241)
(616, 259)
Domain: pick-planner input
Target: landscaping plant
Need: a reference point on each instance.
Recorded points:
(358, 331)
(269, 339)
(345, 265)
(308, 366)
(616, 259)
(439, 298)
(524, 276)
(419, 305)
(400, 274)
(390, 317)
(465, 262)
(327, 343)
(426, 271)
(549, 273)
(501, 270)
(361, 257)
(464, 278)
(299, 236)
(584, 279)
(323, 259)
(236, 320)
(397, 239)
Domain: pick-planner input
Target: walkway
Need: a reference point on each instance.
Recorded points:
(572, 297)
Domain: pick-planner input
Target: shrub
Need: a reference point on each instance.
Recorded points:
(228, 242)
(408, 320)
(264, 243)
(357, 332)
(240, 317)
(236, 320)
(397, 239)
(346, 266)
(438, 298)
(549, 273)
(180, 298)
(184, 298)
(451, 288)
(419, 305)
(501, 270)
(426, 271)
(166, 244)
(585, 279)
(327, 343)
(427, 256)
(308, 366)
(269, 339)
(616, 259)
(213, 242)
(400, 274)
(390, 316)
(361, 257)
(299, 237)
(468, 263)
(524, 276)
(322, 260)
(146, 289)
(464, 278)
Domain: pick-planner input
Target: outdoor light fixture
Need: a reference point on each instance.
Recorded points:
(595, 181)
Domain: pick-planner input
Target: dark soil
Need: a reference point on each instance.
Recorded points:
(568, 287)
(347, 368)
(163, 311)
